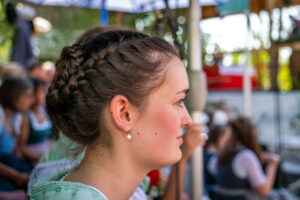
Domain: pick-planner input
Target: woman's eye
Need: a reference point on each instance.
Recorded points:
(180, 102)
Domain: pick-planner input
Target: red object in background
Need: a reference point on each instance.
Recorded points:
(154, 177)
(226, 78)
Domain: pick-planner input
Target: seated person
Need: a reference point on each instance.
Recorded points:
(40, 125)
(238, 169)
(15, 99)
(218, 137)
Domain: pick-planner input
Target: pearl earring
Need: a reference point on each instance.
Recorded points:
(128, 137)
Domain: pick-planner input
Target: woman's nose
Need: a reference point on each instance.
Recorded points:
(186, 119)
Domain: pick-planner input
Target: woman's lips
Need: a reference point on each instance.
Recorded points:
(180, 139)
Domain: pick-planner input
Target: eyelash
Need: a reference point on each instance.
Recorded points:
(180, 102)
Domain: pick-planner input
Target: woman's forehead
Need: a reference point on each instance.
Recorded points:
(176, 73)
(176, 80)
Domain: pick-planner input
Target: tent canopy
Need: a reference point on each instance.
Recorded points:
(135, 6)
(132, 6)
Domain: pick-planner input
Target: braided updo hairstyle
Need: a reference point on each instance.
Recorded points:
(89, 75)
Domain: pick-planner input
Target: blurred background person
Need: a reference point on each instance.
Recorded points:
(15, 98)
(44, 71)
(217, 138)
(36, 71)
(38, 141)
(49, 71)
(26, 24)
(238, 169)
(22, 51)
(12, 69)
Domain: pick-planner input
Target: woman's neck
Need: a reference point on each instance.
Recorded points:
(109, 172)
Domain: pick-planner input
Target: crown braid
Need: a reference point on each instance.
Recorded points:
(88, 76)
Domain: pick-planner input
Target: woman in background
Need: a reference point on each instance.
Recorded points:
(218, 137)
(39, 122)
(238, 170)
(15, 98)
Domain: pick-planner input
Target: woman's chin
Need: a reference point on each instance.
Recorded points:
(176, 158)
(179, 156)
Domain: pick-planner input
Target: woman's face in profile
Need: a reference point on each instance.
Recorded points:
(40, 95)
(158, 130)
(25, 100)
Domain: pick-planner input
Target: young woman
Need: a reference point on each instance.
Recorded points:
(120, 96)
(239, 172)
(40, 126)
(15, 99)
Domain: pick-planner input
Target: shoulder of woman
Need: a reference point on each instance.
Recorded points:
(244, 157)
(246, 153)
(19, 120)
(64, 190)
(244, 161)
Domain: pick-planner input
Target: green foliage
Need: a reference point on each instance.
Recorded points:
(68, 23)
(6, 34)
(148, 23)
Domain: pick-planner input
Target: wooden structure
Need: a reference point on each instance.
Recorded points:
(256, 7)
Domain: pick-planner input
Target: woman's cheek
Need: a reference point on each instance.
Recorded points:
(167, 125)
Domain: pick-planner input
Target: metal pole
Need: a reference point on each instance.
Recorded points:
(247, 78)
(197, 95)
(103, 14)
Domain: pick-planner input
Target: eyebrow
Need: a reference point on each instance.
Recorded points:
(183, 91)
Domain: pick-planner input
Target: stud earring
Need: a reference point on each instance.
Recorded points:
(128, 137)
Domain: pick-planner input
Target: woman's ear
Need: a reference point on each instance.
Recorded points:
(122, 112)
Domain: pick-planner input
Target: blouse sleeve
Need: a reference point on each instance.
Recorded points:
(247, 165)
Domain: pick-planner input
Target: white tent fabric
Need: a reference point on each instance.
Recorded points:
(132, 6)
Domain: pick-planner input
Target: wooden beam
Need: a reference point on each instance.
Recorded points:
(209, 12)
(294, 45)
